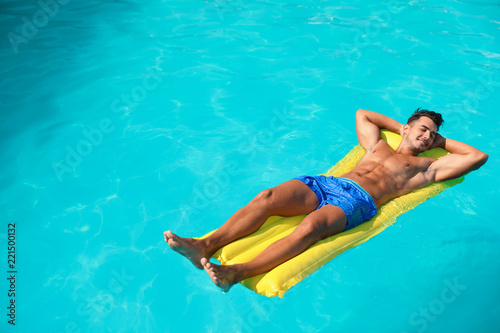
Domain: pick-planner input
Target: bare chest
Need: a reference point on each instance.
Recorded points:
(394, 164)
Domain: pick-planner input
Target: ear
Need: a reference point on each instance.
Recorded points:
(405, 130)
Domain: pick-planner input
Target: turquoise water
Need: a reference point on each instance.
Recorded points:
(124, 119)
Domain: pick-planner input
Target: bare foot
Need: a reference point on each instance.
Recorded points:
(223, 276)
(188, 247)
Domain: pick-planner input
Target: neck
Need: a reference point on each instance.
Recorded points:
(406, 150)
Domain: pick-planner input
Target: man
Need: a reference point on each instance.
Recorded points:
(336, 204)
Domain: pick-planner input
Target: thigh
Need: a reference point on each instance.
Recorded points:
(290, 198)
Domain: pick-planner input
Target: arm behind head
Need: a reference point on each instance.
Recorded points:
(369, 124)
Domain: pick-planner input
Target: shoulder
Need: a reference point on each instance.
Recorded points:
(382, 146)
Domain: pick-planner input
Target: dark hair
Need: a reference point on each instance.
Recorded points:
(434, 116)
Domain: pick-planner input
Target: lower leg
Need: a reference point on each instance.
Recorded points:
(288, 199)
(277, 253)
(327, 221)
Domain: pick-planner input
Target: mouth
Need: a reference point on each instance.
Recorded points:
(422, 142)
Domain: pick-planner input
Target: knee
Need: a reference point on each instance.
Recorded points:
(319, 225)
(309, 230)
(264, 198)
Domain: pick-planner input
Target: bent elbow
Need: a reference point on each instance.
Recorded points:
(361, 112)
(481, 159)
(484, 158)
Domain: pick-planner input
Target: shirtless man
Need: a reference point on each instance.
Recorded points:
(336, 204)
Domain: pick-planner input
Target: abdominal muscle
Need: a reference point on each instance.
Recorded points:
(385, 174)
(374, 181)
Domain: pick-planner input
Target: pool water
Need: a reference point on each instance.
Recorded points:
(120, 120)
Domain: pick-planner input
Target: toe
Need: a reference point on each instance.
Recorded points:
(204, 262)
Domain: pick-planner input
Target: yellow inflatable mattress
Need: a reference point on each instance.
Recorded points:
(280, 279)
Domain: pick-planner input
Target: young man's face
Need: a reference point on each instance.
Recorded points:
(420, 134)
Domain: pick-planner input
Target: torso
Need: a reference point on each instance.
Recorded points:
(385, 174)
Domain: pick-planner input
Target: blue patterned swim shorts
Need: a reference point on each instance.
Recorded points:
(344, 193)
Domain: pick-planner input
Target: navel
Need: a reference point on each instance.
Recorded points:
(407, 164)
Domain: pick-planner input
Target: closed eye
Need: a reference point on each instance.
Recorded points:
(425, 128)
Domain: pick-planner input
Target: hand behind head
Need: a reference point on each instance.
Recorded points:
(439, 141)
